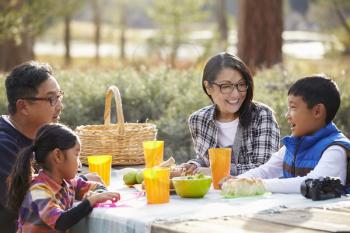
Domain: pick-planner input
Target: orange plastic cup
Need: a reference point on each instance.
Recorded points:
(157, 182)
(101, 164)
(153, 151)
(220, 164)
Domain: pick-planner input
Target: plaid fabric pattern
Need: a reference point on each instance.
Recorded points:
(257, 141)
(46, 200)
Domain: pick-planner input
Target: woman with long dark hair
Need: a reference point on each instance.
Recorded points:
(233, 120)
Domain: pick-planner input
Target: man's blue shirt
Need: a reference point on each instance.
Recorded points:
(11, 142)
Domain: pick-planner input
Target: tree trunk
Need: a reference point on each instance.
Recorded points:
(260, 32)
(222, 24)
(12, 53)
(176, 41)
(174, 49)
(97, 22)
(123, 25)
(67, 39)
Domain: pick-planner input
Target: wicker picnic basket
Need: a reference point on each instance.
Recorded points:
(122, 140)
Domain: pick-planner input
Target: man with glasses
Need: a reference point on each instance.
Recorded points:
(34, 99)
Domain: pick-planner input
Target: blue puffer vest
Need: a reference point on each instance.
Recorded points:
(303, 153)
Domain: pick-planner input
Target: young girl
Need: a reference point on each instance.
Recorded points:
(234, 120)
(44, 201)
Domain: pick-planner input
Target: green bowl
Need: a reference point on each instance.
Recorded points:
(193, 188)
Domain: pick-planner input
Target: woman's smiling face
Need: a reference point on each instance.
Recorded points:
(229, 103)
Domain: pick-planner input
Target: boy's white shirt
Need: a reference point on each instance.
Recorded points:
(333, 163)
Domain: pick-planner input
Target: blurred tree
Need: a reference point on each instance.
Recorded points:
(70, 7)
(300, 6)
(118, 13)
(96, 8)
(175, 18)
(18, 27)
(10, 20)
(67, 39)
(123, 9)
(338, 7)
(260, 32)
(21, 22)
(337, 13)
(222, 24)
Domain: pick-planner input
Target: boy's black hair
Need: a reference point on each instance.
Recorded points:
(318, 89)
(24, 80)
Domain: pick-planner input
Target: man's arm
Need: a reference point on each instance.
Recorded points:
(8, 155)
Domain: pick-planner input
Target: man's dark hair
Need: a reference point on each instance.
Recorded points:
(318, 89)
(24, 80)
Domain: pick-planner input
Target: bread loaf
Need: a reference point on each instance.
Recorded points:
(239, 187)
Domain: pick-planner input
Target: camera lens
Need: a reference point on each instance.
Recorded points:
(304, 188)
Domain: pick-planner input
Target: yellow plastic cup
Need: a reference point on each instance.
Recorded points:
(101, 164)
(157, 184)
(220, 164)
(153, 152)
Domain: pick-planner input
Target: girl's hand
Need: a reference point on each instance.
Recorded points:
(88, 194)
(96, 198)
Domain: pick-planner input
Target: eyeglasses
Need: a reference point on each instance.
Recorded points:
(52, 99)
(227, 88)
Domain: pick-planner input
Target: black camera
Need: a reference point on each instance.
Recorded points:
(322, 188)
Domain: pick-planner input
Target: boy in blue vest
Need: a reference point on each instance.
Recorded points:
(316, 148)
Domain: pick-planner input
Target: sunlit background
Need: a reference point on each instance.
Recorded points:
(155, 50)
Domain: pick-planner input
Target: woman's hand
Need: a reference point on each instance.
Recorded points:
(188, 168)
(95, 198)
(203, 170)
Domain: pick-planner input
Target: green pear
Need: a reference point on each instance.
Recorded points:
(130, 178)
(139, 176)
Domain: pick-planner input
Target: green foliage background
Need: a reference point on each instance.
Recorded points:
(167, 97)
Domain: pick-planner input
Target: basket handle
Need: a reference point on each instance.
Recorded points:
(118, 105)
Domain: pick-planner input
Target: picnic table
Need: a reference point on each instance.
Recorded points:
(213, 213)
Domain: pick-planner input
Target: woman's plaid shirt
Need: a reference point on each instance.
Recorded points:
(252, 147)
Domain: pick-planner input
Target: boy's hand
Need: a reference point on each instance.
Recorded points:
(96, 198)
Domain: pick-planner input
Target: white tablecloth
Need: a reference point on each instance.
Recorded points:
(135, 215)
